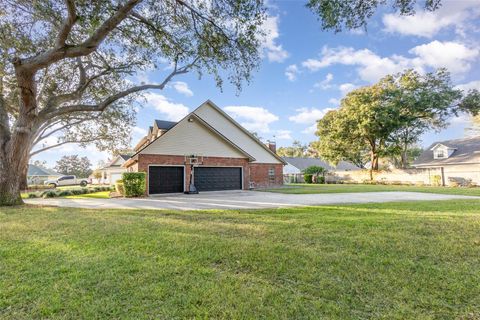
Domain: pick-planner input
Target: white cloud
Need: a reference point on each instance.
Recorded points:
(255, 119)
(309, 116)
(469, 85)
(454, 14)
(310, 129)
(273, 50)
(284, 135)
(170, 110)
(334, 101)
(346, 88)
(291, 72)
(455, 56)
(325, 83)
(182, 87)
(140, 131)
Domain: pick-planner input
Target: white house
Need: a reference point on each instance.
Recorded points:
(113, 171)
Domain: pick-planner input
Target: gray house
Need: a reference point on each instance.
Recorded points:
(296, 165)
(37, 175)
(458, 160)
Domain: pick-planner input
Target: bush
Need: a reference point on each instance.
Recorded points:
(119, 187)
(320, 179)
(308, 178)
(64, 193)
(49, 194)
(134, 183)
(32, 195)
(436, 180)
(76, 191)
(314, 170)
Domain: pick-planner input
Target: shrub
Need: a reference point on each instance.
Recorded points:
(119, 187)
(308, 178)
(320, 179)
(49, 194)
(32, 195)
(76, 191)
(436, 180)
(134, 183)
(314, 170)
(64, 193)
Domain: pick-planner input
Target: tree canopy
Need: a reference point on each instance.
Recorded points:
(387, 118)
(66, 66)
(74, 165)
(352, 14)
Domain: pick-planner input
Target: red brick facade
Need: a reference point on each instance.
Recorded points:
(255, 175)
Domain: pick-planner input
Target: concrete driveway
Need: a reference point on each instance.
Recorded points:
(241, 200)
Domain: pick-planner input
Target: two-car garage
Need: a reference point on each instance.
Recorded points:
(173, 179)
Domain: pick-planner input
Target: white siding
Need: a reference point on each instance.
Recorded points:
(218, 121)
(192, 138)
(289, 169)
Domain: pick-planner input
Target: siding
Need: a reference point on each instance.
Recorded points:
(192, 138)
(235, 134)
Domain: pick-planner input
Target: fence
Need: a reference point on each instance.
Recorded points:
(446, 176)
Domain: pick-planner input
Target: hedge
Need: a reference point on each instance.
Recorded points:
(308, 178)
(134, 183)
(65, 192)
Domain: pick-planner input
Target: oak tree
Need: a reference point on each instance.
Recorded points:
(66, 67)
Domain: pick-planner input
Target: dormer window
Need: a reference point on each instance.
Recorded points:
(440, 154)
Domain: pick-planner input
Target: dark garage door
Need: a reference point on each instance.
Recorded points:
(218, 178)
(165, 180)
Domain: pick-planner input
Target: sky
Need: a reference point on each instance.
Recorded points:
(305, 72)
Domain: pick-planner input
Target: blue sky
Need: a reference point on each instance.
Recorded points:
(306, 71)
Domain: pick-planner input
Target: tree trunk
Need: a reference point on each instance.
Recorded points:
(374, 163)
(13, 167)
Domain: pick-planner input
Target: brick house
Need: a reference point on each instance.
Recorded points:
(223, 155)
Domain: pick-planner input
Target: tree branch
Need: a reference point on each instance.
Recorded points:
(67, 24)
(88, 46)
(58, 145)
(112, 99)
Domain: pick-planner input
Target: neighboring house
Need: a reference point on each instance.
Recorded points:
(226, 155)
(113, 171)
(37, 175)
(458, 159)
(296, 165)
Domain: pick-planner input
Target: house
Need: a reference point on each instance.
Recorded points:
(113, 171)
(296, 165)
(37, 175)
(458, 160)
(222, 154)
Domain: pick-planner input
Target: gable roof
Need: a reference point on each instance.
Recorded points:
(245, 131)
(465, 151)
(124, 156)
(164, 125)
(303, 163)
(34, 170)
(215, 131)
(206, 125)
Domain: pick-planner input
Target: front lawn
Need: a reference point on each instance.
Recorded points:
(347, 188)
(391, 261)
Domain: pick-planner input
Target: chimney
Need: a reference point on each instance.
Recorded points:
(272, 146)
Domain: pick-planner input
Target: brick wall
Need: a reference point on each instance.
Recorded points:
(144, 160)
(258, 173)
(260, 177)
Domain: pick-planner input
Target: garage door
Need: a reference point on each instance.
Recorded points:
(217, 178)
(165, 180)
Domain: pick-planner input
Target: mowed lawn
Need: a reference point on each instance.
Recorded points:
(418, 260)
(348, 188)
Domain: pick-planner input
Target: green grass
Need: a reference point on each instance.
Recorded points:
(415, 260)
(346, 188)
(95, 195)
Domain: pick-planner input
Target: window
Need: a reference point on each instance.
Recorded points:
(271, 172)
(440, 154)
